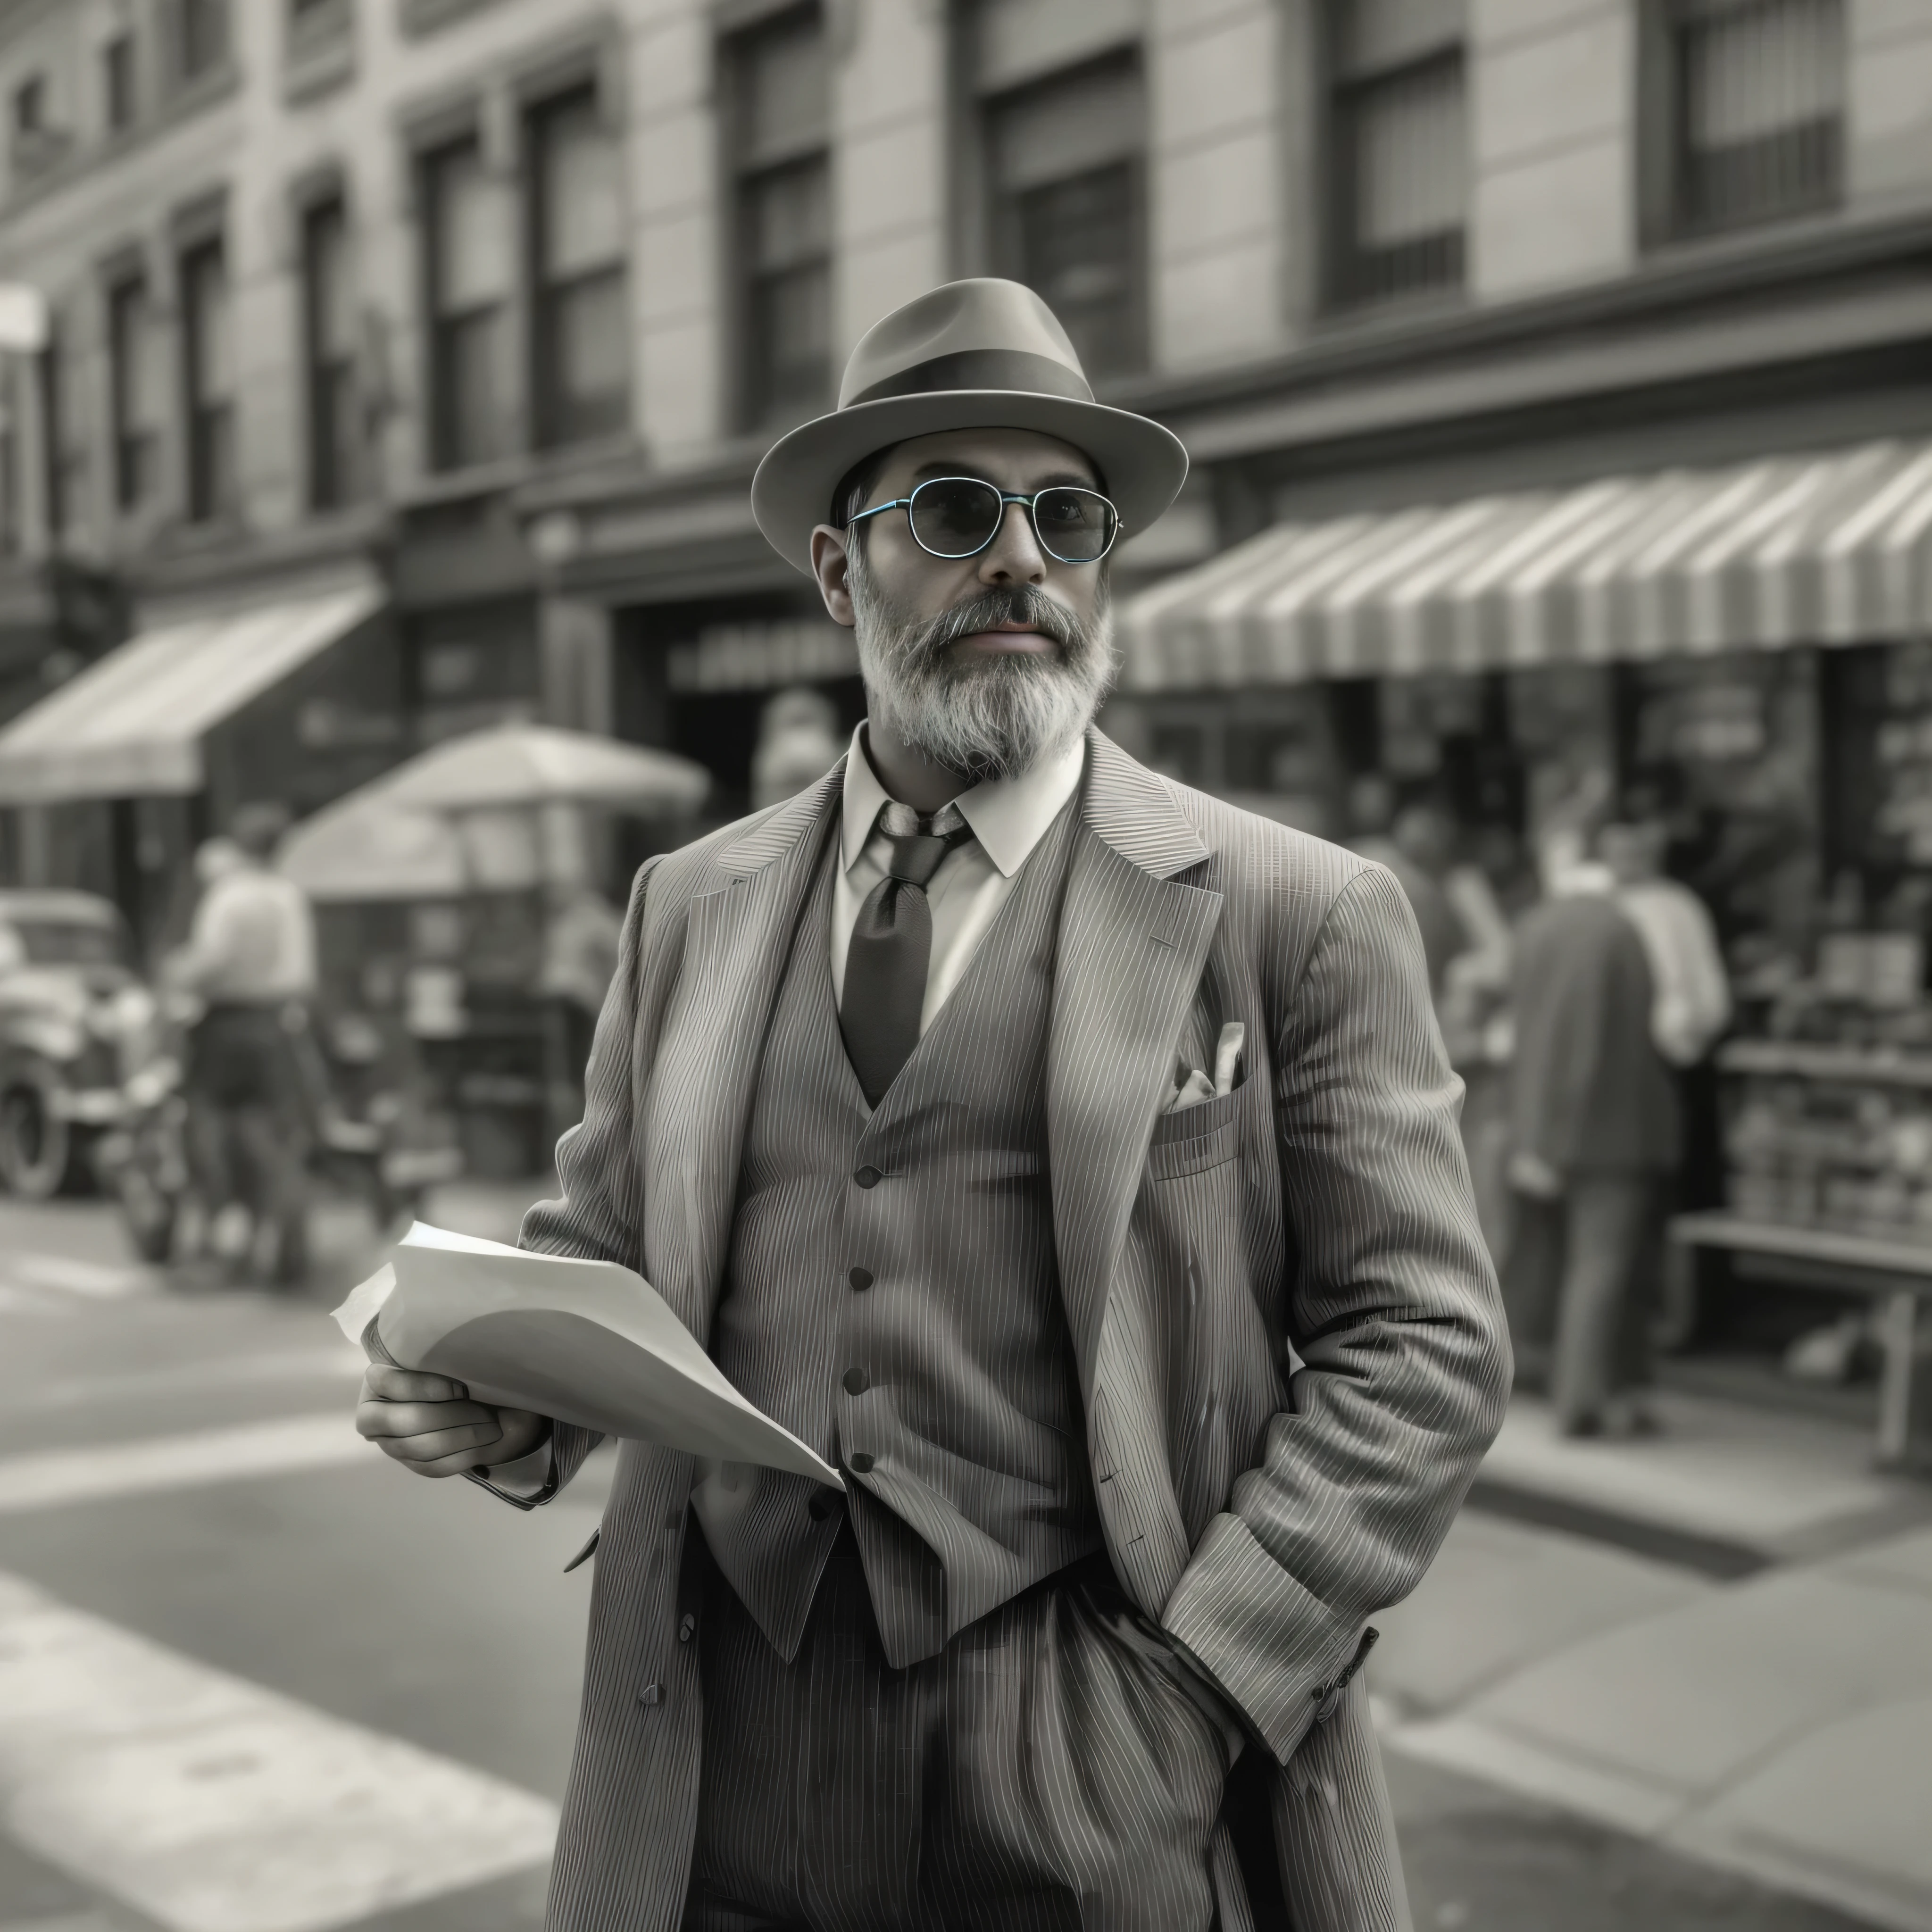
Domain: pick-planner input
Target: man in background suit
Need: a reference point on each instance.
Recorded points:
(1597, 1132)
(1073, 1159)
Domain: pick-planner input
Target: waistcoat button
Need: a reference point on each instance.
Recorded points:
(859, 1463)
(652, 1693)
(861, 1278)
(686, 1626)
(856, 1381)
(868, 1176)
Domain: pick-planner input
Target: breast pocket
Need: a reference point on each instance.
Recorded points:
(1197, 1138)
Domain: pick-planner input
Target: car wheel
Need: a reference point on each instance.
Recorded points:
(35, 1145)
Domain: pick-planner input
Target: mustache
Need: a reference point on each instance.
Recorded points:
(1021, 605)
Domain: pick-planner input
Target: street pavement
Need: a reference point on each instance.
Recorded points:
(254, 1678)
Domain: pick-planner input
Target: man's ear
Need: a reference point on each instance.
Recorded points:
(828, 565)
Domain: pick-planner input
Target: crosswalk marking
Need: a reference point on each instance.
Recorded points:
(333, 1363)
(50, 1478)
(75, 1921)
(69, 1275)
(212, 1804)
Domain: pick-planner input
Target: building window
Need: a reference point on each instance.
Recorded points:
(1759, 90)
(202, 45)
(36, 144)
(30, 108)
(135, 396)
(10, 459)
(208, 370)
(469, 271)
(117, 83)
(580, 336)
(56, 369)
(1400, 147)
(1068, 204)
(328, 302)
(780, 132)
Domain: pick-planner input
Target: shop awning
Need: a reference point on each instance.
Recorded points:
(1827, 549)
(132, 725)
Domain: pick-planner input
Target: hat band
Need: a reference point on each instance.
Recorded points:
(1018, 369)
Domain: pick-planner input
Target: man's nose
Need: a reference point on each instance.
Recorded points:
(1014, 555)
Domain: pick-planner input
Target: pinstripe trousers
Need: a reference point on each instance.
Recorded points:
(1045, 1772)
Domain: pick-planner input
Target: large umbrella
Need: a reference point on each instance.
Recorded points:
(540, 764)
(367, 846)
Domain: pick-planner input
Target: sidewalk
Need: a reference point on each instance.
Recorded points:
(1763, 1701)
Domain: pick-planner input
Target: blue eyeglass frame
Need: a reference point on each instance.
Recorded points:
(1005, 496)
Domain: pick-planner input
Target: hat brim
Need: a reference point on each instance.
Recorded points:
(1142, 462)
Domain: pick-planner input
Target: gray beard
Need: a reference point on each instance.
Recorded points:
(996, 718)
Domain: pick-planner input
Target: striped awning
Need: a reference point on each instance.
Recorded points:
(1832, 548)
(132, 725)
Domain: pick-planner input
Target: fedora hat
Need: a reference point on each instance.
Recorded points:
(978, 354)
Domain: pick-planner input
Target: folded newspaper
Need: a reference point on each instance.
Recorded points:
(585, 1342)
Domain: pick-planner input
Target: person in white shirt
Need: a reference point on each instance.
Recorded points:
(1691, 998)
(252, 1076)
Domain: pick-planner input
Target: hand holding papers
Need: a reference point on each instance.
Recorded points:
(585, 1342)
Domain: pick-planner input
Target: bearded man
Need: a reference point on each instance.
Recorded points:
(1073, 1160)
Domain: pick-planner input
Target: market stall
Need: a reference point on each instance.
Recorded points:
(466, 915)
(1740, 651)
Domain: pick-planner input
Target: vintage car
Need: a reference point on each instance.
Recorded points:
(73, 1014)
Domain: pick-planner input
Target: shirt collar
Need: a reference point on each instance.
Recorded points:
(1009, 817)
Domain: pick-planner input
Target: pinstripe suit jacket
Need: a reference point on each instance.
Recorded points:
(1260, 1515)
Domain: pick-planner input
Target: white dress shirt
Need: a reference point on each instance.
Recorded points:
(1009, 817)
(252, 941)
(1691, 1004)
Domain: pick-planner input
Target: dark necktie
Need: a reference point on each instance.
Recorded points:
(891, 949)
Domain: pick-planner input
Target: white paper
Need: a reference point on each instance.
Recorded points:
(585, 1342)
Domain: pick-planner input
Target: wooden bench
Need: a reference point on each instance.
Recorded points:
(1894, 1273)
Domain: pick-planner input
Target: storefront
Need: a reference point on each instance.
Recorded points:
(1745, 650)
(114, 778)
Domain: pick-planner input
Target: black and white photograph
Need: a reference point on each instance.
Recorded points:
(965, 965)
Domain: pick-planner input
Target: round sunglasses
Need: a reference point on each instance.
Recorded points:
(956, 517)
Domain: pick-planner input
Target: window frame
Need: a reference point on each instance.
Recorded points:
(329, 382)
(27, 107)
(120, 82)
(1349, 287)
(757, 407)
(548, 297)
(1003, 216)
(208, 422)
(204, 39)
(129, 302)
(1667, 215)
(446, 448)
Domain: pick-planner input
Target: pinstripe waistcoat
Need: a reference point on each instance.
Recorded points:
(1260, 1505)
(950, 1369)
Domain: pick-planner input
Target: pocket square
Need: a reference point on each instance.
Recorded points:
(1197, 1086)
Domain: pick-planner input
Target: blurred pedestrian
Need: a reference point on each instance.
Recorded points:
(799, 742)
(1474, 1009)
(1692, 992)
(1596, 1133)
(582, 932)
(1414, 844)
(250, 962)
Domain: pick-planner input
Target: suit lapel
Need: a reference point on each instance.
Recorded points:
(738, 940)
(1133, 943)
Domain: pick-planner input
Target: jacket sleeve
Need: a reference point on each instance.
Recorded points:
(599, 1211)
(1395, 1313)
